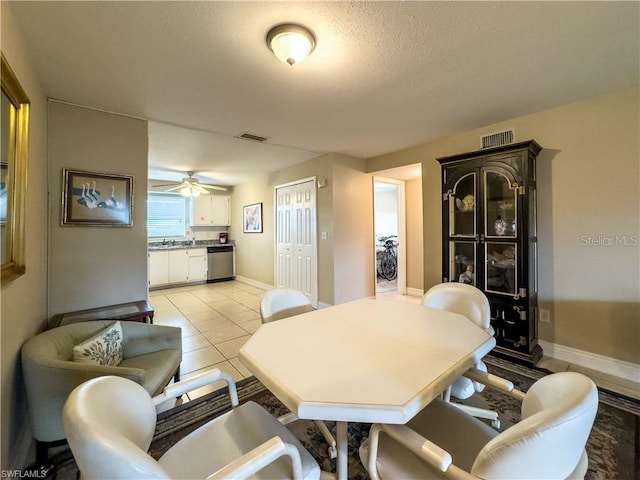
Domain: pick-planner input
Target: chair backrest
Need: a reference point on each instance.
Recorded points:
(557, 415)
(461, 298)
(109, 422)
(280, 303)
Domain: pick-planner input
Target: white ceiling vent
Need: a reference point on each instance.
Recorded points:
(253, 137)
(498, 139)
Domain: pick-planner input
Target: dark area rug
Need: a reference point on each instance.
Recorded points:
(613, 447)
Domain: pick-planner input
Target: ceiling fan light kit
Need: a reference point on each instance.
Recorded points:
(290, 43)
(190, 187)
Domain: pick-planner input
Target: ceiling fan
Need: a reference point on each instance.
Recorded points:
(190, 187)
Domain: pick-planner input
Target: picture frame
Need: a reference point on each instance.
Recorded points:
(252, 218)
(96, 199)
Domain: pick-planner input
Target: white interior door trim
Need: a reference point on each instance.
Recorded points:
(402, 231)
(314, 234)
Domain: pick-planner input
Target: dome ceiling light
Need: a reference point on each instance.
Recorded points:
(290, 43)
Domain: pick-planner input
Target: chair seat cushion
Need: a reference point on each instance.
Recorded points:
(434, 423)
(158, 368)
(234, 434)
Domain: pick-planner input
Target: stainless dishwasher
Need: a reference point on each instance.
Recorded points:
(220, 263)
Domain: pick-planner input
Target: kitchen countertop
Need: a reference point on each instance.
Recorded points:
(156, 246)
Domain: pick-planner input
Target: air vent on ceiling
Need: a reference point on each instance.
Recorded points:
(498, 139)
(252, 137)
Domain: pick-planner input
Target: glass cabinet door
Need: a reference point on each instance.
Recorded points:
(500, 212)
(462, 207)
(462, 262)
(501, 260)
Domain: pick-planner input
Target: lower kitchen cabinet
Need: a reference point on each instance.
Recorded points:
(158, 264)
(197, 264)
(177, 266)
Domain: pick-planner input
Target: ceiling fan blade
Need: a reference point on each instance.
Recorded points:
(167, 185)
(195, 188)
(213, 187)
(175, 187)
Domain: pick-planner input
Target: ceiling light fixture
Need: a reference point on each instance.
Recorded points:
(290, 43)
(189, 191)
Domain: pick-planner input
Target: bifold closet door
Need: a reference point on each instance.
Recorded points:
(296, 239)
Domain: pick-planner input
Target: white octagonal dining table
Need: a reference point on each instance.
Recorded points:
(372, 361)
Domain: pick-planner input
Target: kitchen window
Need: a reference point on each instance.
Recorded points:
(166, 215)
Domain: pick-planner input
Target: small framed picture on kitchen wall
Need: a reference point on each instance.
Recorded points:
(252, 218)
(97, 199)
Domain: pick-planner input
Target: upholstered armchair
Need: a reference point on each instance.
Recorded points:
(445, 442)
(150, 356)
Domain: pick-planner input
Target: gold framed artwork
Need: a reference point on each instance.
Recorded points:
(97, 199)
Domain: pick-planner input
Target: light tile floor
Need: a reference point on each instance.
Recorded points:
(218, 318)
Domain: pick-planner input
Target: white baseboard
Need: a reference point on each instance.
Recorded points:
(266, 286)
(610, 366)
(415, 292)
(253, 283)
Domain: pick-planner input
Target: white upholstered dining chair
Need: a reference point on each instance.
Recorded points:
(469, 301)
(279, 303)
(110, 421)
(442, 441)
(283, 302)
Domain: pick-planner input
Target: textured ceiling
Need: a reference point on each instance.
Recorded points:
(384, 75)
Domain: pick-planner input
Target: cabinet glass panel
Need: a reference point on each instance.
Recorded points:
(462, 207)
(500, 208)
(462, 262)
(500, 269)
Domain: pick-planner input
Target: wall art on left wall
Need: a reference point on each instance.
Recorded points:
(97, 199)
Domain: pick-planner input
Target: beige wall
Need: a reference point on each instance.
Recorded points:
(254, 251)
(96, 266)
(23, 301)
(353, 235)
(414, 220)
(588, 192)
(344, 212)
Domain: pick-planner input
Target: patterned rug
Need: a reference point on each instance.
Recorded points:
(613, 447)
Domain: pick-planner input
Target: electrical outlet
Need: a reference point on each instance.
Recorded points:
(545, 315)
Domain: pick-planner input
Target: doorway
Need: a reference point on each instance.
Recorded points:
(388, 206)
(406, 181)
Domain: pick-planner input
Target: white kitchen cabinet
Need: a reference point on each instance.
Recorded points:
(178, 266)
(211, 210)
(197, 264)
(158, 268)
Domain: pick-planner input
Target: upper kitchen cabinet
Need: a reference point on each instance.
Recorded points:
(489, 238)
(211, 210)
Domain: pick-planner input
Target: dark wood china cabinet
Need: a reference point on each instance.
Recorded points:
(489, 238)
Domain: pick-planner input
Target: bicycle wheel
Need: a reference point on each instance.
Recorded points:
(388, 267)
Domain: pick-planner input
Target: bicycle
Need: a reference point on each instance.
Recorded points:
(387, 260)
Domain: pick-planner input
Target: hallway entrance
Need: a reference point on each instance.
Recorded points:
(397, 234)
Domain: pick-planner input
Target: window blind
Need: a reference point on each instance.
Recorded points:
(166, 215)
